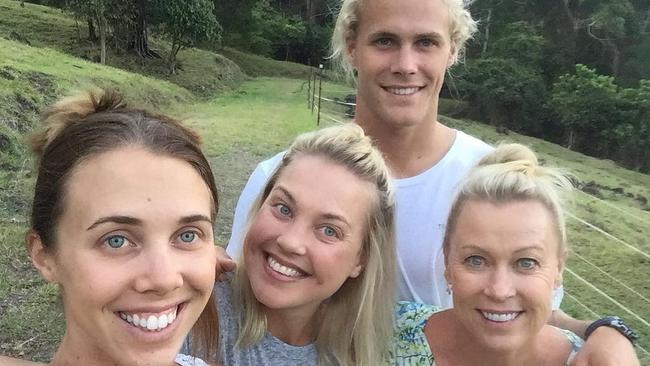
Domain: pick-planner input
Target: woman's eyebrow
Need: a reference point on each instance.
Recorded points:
(117, 219)
(194, 218)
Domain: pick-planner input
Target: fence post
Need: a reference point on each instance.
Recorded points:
(309, 86)
(320, 87)
(313, 94)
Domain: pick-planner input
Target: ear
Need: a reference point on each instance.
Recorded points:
(560, 271)
(356, 271)
(351, 51)
(41, 258)
(453, 55)
(447, 275)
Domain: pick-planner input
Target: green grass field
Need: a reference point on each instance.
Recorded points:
(243, 122)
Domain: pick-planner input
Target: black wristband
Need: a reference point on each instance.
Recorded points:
(615, 323)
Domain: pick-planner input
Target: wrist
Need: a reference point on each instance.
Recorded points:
(615, 323)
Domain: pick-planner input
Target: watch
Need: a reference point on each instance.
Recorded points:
(613, 322)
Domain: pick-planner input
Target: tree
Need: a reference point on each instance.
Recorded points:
(186, 23)
(588, 108)
(97, 12)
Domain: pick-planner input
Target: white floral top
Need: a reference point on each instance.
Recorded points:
(185, 360)
(411, 347)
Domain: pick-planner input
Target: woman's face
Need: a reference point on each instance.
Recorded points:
(134, 256)
(503, 265)
(305, 241)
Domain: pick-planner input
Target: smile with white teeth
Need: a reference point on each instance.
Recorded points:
(402, 91)
(150, 322)
(276, 266)
(500, 317)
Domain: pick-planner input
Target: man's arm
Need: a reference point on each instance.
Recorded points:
(251, 190)
(604, 347)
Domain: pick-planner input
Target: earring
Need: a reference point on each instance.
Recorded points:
(449, 288)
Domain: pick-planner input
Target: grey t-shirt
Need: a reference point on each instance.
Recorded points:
(270, 351)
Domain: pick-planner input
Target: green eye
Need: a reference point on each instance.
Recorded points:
(116, 241)
(188, 236)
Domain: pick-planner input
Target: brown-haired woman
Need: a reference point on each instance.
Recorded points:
(122, 222)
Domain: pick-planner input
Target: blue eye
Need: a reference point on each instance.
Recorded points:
(116, 241)
(283, 209)
(329, 231)
(527, 263)
(187, 236)
(475, 261)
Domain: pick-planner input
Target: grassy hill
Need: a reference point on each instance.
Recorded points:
(245, 117)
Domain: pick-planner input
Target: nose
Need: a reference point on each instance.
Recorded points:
(292, 240)
(405, 61)
(159, 271)
(500, 286)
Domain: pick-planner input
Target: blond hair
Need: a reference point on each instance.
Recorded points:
(363, 306)
(512, 173)
(461, 29)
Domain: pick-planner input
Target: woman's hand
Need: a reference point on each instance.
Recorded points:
(224, 264)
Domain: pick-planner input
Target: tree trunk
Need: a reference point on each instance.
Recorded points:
(102, 25)
(139, 40)
(571, 140)
(92, 35)
(487, 32)
(616, 57)
(646, 23)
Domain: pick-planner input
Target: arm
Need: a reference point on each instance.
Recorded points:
(251, 190)
(604, 347)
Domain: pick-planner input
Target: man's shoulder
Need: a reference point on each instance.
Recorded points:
(466, 151)
(470, 145)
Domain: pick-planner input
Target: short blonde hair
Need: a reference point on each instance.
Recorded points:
(363, 306)
(461, 28)
(512, 173)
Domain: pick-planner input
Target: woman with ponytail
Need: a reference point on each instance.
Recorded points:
(505, 250)
(122, 221)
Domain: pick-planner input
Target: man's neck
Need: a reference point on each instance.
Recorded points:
(410, 150)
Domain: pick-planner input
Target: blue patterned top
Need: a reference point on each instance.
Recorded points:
(411, 346)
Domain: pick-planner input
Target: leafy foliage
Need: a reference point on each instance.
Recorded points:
(185, 24)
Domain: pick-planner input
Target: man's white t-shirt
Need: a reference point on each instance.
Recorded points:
(423, 203)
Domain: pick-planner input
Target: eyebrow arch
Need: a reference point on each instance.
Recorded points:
(285, 192)
(536, 247)
(128, 220)
(330, 216)
(435, 35)
(118, 219)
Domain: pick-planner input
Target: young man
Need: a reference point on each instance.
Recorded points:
(400, 52)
